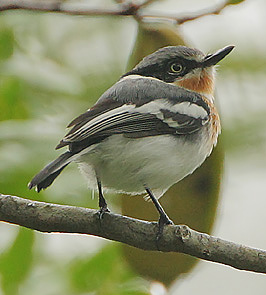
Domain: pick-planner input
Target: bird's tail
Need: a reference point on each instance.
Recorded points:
(48, 174)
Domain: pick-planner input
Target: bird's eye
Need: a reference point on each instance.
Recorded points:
(176, 68)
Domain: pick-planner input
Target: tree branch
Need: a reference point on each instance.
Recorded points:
(212, 11)
(121, 9)
(46, 217)
(60, 7)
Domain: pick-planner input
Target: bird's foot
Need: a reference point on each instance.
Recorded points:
(103, 209)
(162, 222)
(102, 202)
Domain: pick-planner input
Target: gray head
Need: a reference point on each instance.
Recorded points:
(181, 65)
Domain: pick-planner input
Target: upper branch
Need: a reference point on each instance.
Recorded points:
(127, 8)
(59, 6)
(46, 217)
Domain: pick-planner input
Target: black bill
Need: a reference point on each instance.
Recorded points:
(213, 59)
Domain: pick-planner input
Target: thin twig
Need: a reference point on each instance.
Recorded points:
(60, 7)
(46, 217)
(192, 16)
(121, 9)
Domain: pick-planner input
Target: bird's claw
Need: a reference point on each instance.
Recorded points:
(102, 211)
(162, 222)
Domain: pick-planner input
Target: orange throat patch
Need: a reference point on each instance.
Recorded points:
(203, 83)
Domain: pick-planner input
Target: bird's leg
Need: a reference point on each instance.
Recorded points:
(102, 202)
(164, 219)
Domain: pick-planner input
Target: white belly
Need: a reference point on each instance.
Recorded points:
(128, 165)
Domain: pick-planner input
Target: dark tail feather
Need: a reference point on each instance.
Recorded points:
(49, 180)
(48, 174)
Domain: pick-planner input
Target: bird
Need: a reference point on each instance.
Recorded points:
(148, 131)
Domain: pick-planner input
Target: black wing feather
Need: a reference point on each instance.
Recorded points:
(117, 113)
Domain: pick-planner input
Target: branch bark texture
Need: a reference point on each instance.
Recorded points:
(46, 217)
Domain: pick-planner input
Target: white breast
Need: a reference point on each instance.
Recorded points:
(127, 165)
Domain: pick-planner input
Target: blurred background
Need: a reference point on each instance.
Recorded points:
(52, 68)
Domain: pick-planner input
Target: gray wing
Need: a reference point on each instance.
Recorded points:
(119, 112)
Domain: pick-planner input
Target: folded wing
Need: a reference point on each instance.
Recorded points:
(157, 118)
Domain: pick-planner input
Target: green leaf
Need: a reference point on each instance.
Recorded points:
(6, 43)
(16, 262)
(234, 2)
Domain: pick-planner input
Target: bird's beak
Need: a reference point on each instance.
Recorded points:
(213, 59)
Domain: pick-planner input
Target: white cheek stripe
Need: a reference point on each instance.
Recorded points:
(136, 76)
(184, 108)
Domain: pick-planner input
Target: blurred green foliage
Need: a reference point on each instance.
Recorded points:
(12, 99)
(16, 261)
(6, 42)
(113, 277)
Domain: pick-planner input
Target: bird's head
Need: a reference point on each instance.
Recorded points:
(182, 66)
